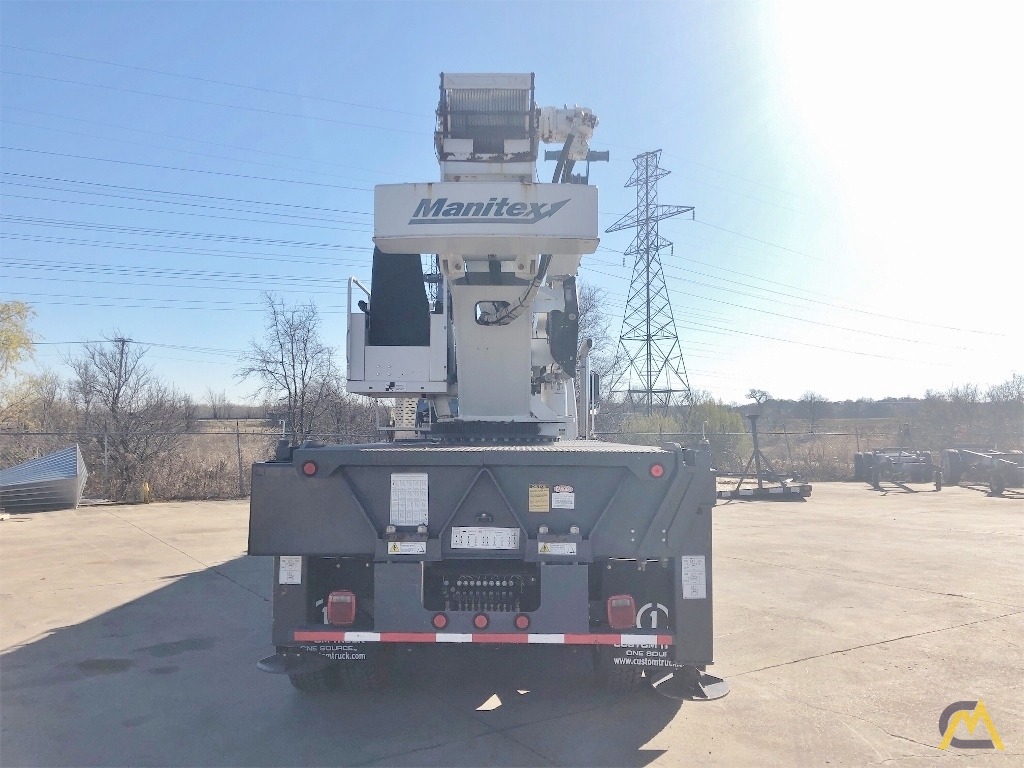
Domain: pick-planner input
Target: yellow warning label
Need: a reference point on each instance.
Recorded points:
(540, 498)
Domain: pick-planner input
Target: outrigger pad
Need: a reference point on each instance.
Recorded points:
(691, 684)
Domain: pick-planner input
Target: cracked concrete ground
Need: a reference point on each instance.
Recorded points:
(845, 625)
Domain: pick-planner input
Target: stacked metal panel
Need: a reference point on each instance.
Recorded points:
(54, 481)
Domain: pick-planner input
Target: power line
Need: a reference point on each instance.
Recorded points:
(181, 194)
(197, 141)
(759, 240)
(182, 151)
(192, 213)
(191, 251)
(188, 170)
(213, 103)
(148, 231)
(804, 320)
(136, 198)
(211, 80)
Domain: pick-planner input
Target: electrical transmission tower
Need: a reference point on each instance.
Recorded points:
(656, 376)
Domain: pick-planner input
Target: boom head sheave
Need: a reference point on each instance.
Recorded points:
(495, 351)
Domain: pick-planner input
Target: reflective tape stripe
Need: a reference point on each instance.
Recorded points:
(407, 637)
(550, 639)
(337, 636)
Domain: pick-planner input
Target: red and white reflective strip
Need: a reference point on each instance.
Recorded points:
(335, 636)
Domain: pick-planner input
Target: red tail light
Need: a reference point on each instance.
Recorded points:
(522, 622)
(341, 608)
(440, 621)
(621, 611)
(480, 621)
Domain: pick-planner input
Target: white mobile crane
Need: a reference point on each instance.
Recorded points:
(496, 523)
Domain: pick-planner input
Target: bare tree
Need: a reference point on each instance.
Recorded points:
(606, 358)
(1010, 391)
(217, 402)
(125, 414)
(759, 396)
(292, 365)
(813, 405)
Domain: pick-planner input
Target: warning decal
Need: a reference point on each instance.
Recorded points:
(407, 547)
(556, 548)
(564, 497)
(694, 578)
(290, 570)
(540, 498)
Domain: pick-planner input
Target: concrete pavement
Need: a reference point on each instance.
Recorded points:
(845, 625)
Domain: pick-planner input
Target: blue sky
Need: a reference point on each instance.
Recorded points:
(854, 168)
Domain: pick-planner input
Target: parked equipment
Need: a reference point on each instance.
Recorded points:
(896, 465)
(497, 525)
(782, 489)
(54, 481)
(1000, 470)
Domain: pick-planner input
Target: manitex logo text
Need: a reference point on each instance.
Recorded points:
(970, 713)
(493, 211)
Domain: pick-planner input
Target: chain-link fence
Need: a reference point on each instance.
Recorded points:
(210, 463)
(214, 461)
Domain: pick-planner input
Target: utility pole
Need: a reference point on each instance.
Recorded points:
(656, 376)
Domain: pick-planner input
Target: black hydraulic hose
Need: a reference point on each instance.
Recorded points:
(563, 156)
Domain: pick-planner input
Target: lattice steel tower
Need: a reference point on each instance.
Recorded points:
(656, 376)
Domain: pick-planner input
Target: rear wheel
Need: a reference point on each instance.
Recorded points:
(618, 677)
(320, 681)
(997, 484)
(938, 479)
(951, 466)
(858, 466)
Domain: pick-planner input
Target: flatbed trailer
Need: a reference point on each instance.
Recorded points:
(1000, 470)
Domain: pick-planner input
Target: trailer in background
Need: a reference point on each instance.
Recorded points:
(897, 465)
(1000, 470)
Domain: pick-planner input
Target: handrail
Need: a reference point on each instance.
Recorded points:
(355, 281)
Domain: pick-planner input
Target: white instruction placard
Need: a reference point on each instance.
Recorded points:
(563, 500)
(695, 585)
(409, 498)
(290, 570)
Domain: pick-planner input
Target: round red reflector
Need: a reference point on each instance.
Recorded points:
(480, 621)
(440, 621)
(657, 470)
(522, 621)
(309, 468)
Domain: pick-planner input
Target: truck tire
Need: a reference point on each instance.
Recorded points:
(858, 466)
(938, 479)
(997, 484)
(321, 681)
(367, 676)
(952, 468)
(615, 677)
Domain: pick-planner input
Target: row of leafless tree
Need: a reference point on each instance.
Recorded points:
(136, 429)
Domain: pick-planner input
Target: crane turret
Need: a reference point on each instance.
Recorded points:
(495, 353)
